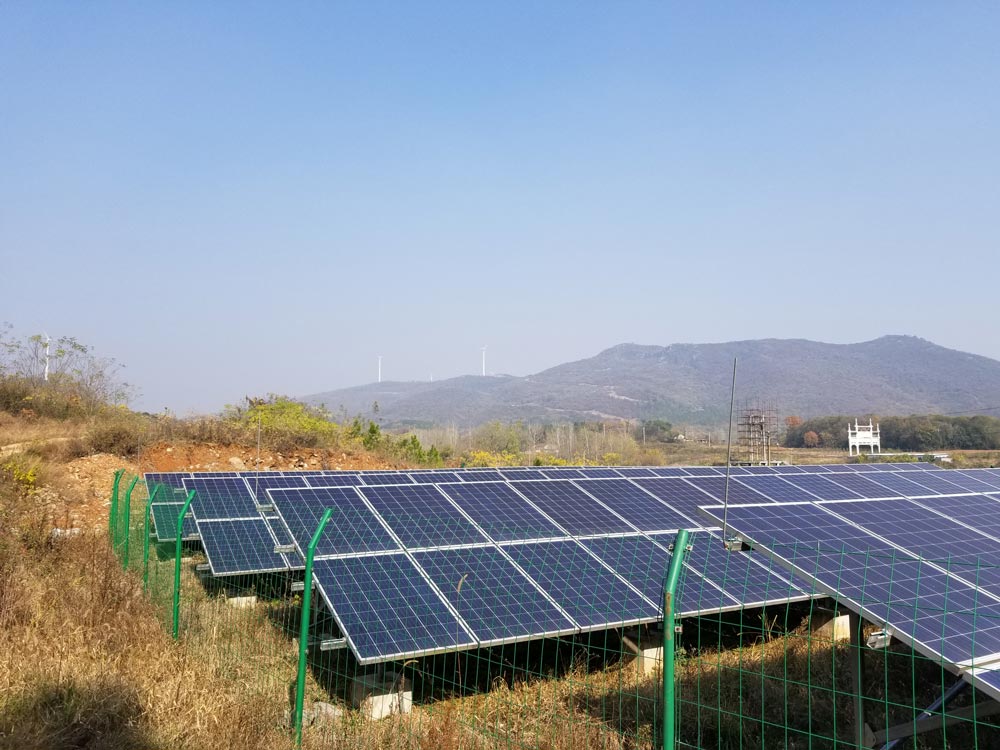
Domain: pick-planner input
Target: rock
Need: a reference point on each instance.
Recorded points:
(237, 463)
(325, 713)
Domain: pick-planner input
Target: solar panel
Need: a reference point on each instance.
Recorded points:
(334, 480)
(643, 563)
(384, 477)
(757, 470)
(353, 527)
(958, 478)
(224, 497)
(260, 485)
(571, 507)
(165, 522)
(494, 598)
(481, 475)
(521, 474)
(897, 484)
(600, 473)
(935, 484)
(561, 473)
(590, 593)
(173, 479)
(979, 511)
(936, 612)
(789, 469)
(386, 609)
(983, 476)
(635, 471)
(239, 547)
(825, 488)
(716, 487)
(774, 488)
(434, 477)
(863, 486)
(499, 511)
(677, 494)
(421, 516)
(636, 506)
(670, 471)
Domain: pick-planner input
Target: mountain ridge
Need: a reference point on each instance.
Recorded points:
(689, 383)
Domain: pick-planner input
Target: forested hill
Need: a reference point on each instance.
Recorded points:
(689, 383)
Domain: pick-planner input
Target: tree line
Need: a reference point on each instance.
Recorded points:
(924, 432)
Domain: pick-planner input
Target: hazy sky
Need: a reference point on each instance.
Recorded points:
(236, 198)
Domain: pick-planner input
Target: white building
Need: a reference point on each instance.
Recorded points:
(863, 436)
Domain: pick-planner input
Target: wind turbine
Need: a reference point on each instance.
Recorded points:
(47, 342)
(484, 361)
(380, 368)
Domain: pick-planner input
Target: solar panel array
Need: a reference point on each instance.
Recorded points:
(426, 561)
(919, 555)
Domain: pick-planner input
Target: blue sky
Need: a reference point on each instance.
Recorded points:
(242, 198)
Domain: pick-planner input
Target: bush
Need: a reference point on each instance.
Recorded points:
(121, 435)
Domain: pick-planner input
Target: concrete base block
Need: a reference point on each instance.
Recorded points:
(649, 660)
(241, 602)
(380, 695)
(826, 626)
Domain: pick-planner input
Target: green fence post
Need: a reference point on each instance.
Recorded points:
(669, 591)
(128, 520)
(113, 515)
(145, 538)
(300, 683)
(177, 561)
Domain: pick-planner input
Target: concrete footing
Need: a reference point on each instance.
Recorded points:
(648, 649)
(830, 626)
(241, 602)
(378, 695)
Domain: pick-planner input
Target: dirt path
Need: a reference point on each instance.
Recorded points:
(12, 448)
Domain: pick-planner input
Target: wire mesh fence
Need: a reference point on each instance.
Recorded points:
(763, 656)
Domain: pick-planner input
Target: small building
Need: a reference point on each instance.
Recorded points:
(863, 436)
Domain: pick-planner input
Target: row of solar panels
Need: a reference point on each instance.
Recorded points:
(390, 561)
(405, 476)
(927, 569)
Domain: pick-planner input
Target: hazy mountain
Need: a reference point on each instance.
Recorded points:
(689, 383)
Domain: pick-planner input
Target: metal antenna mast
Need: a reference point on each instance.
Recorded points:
(727, 540)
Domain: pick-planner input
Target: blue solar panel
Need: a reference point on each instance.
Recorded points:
(897, 484)
(571, 507)
(561, 473)
(386, 609)
(747, 577)
(481, 475)
(259, 485)
(491, 595)
(936, 611)
(934, 483)
(678, 494)
(168, 479)
(434, 477)
(165, 522)
(716, 487)
(670, 471)
(600, 473)
(980, 475)
(334, 480)
(521, 474)
(421, 516)
(835, 468)
(225, 497)
(930, 536)
(979, 511)
(353, 528)
(384, 477)
(968, 484)
(591, 594)
(789, 469)
(774, 488)
(757, 470)
(636, 506)
(863, 486)
(500, 511)
(635, 471)
(823, 487)
(643, 563)
(862, 468)
(242, 546)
